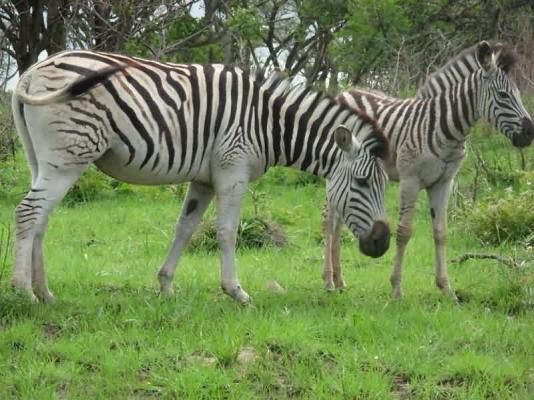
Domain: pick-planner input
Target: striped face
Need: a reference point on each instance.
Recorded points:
(356, 189)
(500, 102)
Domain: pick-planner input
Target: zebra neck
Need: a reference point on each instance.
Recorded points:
(316, 152)
(456, 109)
(302, 134)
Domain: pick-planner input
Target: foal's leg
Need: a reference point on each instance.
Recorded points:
(196, 201)
(332, 275)
(438, 196)
(31, 217)
(230, 190)
(328, 271)
(339, 282)
(409, 190)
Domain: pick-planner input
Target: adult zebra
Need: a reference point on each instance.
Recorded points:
(427, 143)
(215, 126)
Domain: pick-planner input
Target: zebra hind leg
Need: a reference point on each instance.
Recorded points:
(230, 192)
(196, 201)
(439, 198)
(31, 217)
(408, 198)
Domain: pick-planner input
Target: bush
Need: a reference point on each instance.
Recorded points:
(6, 244)
(7, 130)
(252, 233)
(89, 187)
(289, 177)
(506, 219)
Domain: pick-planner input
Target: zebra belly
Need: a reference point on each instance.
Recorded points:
(116, 164)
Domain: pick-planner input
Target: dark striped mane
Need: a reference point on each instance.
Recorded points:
(457, 68)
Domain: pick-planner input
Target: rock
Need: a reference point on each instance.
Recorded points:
(247, 355)
(275, 287)
(206, 361)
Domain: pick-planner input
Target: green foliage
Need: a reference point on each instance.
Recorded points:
(110, 335)
(6, 244)
(253, 233)
(7, 130)
(92, 185)
(502, 219)
(290, 177)
(9, 176)
(246, 23)
(372, 28)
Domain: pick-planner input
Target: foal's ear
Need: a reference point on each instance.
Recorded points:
(343, 138)
(484, 55)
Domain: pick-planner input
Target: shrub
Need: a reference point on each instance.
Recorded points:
(6, 244)
(506, 219)
(7, 130)
(252, 233)
(89, 187)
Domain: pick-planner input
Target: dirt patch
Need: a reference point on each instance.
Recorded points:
(463, 296)
(51, 331)
(401, 387)
(246, 356)
(62, 391)
(148, 393)
(201, 359)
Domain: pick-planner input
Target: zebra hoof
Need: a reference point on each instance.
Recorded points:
(397, 293)
(165, 287)
(341, 285)
(23, 290)
(166, 291)
(45, 296)
(329, 286)
(238, 294)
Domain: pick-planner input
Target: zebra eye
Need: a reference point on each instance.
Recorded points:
(502, 94)
(362, 182)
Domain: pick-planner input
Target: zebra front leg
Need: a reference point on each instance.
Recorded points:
(438, 196)
(339, 282)
(409, 190)
(31, 217)
(196, 201)
(332, 275)
(229, 197)
(328, 272)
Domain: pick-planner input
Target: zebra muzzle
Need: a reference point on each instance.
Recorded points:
(377, 242)
(527, 134)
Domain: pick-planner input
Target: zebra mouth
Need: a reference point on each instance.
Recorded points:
(377, 242)
(526, 136)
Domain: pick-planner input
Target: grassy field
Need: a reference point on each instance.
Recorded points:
(109, 335)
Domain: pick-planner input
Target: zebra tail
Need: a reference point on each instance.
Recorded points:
(76, 88)
(22, 129)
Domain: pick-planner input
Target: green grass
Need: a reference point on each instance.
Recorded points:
(109, 335)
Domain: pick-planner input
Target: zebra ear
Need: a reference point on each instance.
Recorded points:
(343, 138)
(484, 55)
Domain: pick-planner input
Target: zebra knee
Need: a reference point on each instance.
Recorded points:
(226, 236)
(404, 233)
(26, 216)
(440, 237)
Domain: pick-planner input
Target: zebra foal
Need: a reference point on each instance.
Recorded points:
(426, 136)
(215, 126)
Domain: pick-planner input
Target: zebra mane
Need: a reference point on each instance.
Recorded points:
(465, 63)
(367, 91)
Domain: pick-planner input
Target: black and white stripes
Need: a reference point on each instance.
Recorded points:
(427, 136)
(215, 126)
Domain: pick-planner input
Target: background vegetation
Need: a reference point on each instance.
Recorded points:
(111, 336)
